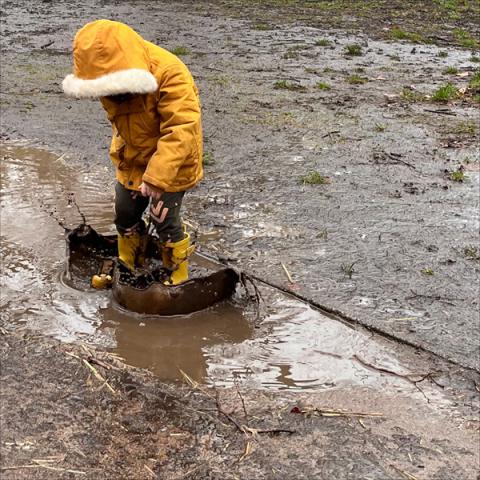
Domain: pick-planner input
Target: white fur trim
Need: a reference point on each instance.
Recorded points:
(133, 80)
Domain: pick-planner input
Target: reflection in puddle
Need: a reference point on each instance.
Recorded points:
(303, 348)
(165, 345)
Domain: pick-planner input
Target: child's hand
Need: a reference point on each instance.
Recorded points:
(148, 190)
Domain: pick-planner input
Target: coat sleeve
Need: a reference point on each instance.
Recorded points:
(179, 110)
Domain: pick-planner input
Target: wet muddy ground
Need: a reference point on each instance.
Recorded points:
(389, 241)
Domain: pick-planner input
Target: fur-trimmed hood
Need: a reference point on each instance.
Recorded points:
(109, 58)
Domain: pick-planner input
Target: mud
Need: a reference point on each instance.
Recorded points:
(258, 366)
(270, 345)
(388, 242)
(389, 208)
(70, 425)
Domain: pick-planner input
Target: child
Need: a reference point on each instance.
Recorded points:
(152, 102)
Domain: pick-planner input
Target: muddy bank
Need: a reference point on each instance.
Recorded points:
(87, 415)
(389, 240)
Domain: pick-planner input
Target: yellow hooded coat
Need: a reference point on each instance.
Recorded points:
(157, 133)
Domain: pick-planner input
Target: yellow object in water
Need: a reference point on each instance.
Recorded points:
(101, 281)
(175, 258)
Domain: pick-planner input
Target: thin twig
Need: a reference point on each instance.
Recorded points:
(442, 112)
(150, 471)
(248, 451)
(328, 412)
(406, 475)
(97, 375)
(225, 414)
(287, 273)
(391, 372)
(243, 402)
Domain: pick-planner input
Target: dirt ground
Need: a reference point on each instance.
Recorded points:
(72, 412)
(388, 239)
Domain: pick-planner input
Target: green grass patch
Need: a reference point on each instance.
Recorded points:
(356, 79)
(262, 26)
(465, 39)
(347, 269)
(323, 42)
(397, 33)
(291, 54)
(442, 54)
(457, 175)
(445, 93)
(427, 271)
(474, 83)
(322, 86)
(395, 57)
(180, 50)
(208, 158)
(353, 50)
(450, 71)
(470, 251)
(468, 127)
(451, 5)
(286, 85)
(380, 127)
(314, 178)
(474, 59)
(412, 95)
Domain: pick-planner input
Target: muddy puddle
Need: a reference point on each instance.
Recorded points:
(292, 346)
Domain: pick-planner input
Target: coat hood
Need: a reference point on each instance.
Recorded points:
(109, 58)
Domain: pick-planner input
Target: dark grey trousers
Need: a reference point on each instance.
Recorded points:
(129, 208)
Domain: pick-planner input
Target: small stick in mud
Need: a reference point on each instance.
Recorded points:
(97, 374)
(442, 111)
(241, 428)
(287, 273)
(150, 471)
(328, 412)
(248, 451)
(422, 376)
(406, 475)
(242, 400)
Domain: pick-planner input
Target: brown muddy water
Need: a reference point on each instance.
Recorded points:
(292, 347)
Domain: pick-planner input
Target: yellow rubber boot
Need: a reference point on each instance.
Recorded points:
(131, 249)
(175, 258)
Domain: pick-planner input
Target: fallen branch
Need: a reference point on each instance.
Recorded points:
(438, 298)
(441, 111)
(245, 429)
(329, 134)
(328, 412)
(406, 377)
(395, 158)
(242, 400)
(97, 375)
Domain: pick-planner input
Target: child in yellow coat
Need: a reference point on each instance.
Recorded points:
(153, 105)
